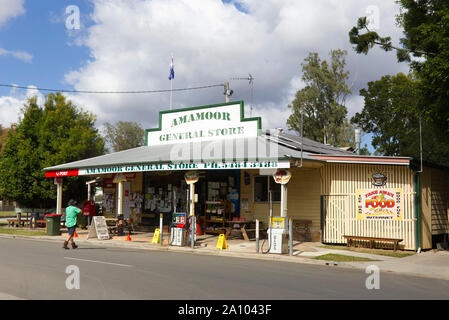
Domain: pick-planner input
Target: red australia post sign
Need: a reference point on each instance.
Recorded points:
(61, 173)
(379, 204)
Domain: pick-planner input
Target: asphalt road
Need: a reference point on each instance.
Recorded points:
(37, 270)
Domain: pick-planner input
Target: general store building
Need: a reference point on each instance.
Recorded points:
(338, 192)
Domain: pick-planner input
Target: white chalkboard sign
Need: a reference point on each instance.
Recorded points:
(98, 228)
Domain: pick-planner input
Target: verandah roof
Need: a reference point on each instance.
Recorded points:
(199, 152)
(254, 149)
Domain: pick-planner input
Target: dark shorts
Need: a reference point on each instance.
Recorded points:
(71, 230)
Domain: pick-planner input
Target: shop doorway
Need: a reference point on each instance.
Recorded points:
(167, 192)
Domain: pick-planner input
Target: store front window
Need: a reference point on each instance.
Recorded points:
(262, 186)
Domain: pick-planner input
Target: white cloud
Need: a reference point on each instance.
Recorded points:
(21, 55)
(131, 43)
(12, 104)
(10, 9)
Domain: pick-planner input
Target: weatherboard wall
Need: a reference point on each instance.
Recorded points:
(340, 182)
(303, 198)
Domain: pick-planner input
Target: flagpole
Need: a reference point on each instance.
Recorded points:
(171, 82)
(171, 93)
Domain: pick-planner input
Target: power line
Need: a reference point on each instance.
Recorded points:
(109, 92)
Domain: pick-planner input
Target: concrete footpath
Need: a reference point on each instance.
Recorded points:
(432, 264)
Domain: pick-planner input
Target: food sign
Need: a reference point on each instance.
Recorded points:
(383, 204)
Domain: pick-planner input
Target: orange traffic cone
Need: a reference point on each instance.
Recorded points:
(75, 235)
(128, 238)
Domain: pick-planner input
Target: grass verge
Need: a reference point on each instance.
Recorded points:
(342, 258)
(8, 214)
(21, 232)
(381, 252)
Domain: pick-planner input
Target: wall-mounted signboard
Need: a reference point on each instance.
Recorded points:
(213, 122)
(379, 204)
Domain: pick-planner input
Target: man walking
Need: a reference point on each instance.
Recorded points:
(70, 221)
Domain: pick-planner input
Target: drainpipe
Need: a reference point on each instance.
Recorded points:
(418, 236)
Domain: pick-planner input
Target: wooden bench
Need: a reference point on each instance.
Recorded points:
(44, 222)
(372, 240)
(18, 222)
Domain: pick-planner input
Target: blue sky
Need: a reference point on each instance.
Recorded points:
(46, 40)
(125, 45)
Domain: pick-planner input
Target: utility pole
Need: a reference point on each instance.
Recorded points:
(358, 139)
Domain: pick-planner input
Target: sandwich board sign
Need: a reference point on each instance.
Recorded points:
(221, 244)
(98, 228)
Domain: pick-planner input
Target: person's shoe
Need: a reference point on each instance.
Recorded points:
(65, 245)
(74, 246)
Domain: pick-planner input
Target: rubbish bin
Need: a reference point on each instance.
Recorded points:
(53, 224)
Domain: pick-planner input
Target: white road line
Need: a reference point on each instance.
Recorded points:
(5, 296)
(115, 264)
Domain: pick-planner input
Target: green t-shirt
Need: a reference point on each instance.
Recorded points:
(70, 216)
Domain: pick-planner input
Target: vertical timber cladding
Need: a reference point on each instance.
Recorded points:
(340, 182)
(303, 197)
(439, 200)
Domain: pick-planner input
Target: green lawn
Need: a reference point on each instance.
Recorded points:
(342, 258)
(8, 214)
(381, 252)
(22, 232)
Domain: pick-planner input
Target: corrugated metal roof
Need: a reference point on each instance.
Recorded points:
(271, 145)
(254, 149)
(309, 145)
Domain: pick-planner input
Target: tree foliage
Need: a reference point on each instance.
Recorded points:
(3, 136)
(322, 101)
(56, 133)
(425, 46)
(124, 135)
(391, 112)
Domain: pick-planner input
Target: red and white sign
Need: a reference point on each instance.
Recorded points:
(57, 174)
(282, 176)
(379, 204)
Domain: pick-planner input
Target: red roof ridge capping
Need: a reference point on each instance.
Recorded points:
(363, 159)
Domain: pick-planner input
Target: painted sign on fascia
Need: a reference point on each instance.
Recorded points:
(205, 123)
(187, 166)
(385, 204)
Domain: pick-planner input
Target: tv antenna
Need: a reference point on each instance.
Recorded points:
(250, 78)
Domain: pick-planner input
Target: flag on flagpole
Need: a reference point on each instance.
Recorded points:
(172, 70)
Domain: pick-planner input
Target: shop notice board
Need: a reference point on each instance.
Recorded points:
(98, 228)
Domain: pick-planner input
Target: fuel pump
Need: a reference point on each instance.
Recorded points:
(278, 228)
(178, 230)
(178, 226)
(277, 235)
